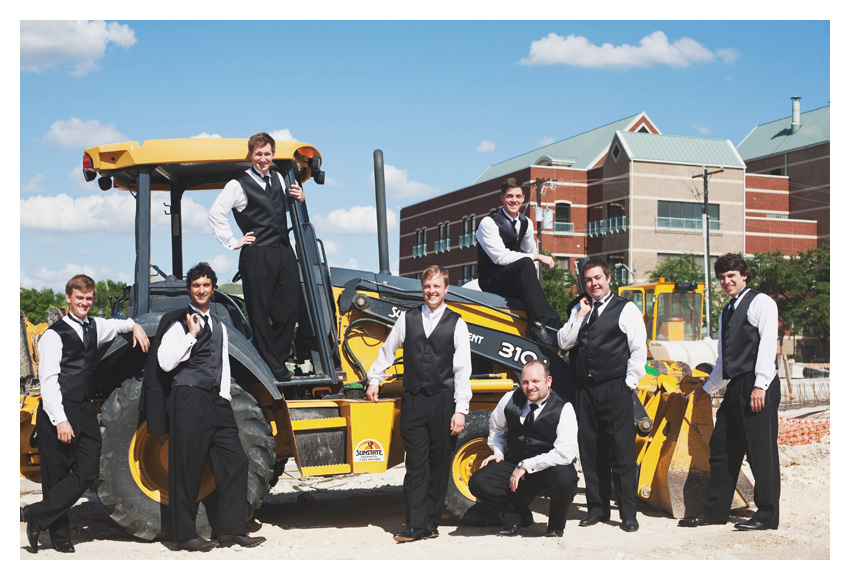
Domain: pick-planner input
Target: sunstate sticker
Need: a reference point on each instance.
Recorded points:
(368, 450)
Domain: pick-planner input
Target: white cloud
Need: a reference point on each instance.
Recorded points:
(76, 134)
(331, 247)
(224, 266)
(110, 213)
(34, 184)
(653, 49)
(702, 129)
(79, 43)
(56, 279)
(206, 136)
(330, 182)
(486, 147)
(358, 220)
(398, 184)
(351, 264)
(282, 135)
(545, 141)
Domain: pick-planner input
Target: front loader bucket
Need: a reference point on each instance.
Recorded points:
(673, 463)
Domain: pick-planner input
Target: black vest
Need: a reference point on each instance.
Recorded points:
(76, 369)
(429, 361)
(264, 215)
(740, 339)
(203, 368)
(525, 442)
(510, 238)
(602, 351)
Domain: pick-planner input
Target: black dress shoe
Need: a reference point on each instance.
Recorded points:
(64, 547)
(588, 521)
(541, 335)
(700, 520)
(197, 544)
(754, 524)
(554, 533)
(245, 541)
(629, 525)
(512, 530)
(33, 529)
(284, 376)
(410, 535)
(433, 533)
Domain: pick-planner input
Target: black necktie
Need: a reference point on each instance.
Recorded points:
(595, 314)
(87, 333)
(529, 419)
(268, 181)
(207, 322)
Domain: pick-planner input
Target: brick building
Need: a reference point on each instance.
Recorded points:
(624, 192)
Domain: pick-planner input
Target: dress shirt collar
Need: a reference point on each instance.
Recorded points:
(514, 221)
(604, 300)
(433, 314)
(198, 310)
(734, 299)
(258, 174)
(77, 320)
(540, 403)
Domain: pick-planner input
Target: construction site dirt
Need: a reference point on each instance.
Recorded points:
(354, 517)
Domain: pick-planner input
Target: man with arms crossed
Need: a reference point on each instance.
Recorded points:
(748, 418)
(506, 256)
(201, 427)
(435, 401)
(533, 438)
(608, 352)
(266, 260)
(66, 422)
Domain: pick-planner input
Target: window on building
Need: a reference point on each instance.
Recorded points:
(563, 221)
(563, 263)
(619, 276)
(616, 209)
(686, 210)
(615, 153)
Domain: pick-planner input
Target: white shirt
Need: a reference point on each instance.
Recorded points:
(232, 196)
(631, 324)
(461, 362)
(176, 347)
(763, 314)
(50, 357)
(491, 242)
(566, 439)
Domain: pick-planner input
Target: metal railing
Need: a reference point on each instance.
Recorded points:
(420, 251)
(669, 224)
(616, 225)
(466, 241)
(441, 246)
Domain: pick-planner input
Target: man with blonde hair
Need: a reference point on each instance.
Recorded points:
(437, 367)
(66, 421)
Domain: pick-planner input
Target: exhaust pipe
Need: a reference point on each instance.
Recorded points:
(381, 214)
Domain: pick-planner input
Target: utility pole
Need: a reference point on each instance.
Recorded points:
(539, 184)
(705, 231)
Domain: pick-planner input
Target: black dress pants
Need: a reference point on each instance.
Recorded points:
(270, 283)
(428, 444)
(67, 469)
(491, 486)
(606, 438)
(519, 280)
(738, 431)
(202, 429)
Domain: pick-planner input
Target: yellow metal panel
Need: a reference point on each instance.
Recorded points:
(341, 468)
(321, 423)
(370, 434)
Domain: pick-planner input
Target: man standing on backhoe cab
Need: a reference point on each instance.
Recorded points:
(506, 256)
(748, 419)
(608, 353)
(66, 422)
(266, 260)
(437, 367)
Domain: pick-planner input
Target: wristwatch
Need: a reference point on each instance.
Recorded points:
(521, 465)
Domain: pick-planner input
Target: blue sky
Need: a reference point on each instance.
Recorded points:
(443, 100)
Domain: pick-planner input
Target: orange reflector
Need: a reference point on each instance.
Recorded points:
(306, 152)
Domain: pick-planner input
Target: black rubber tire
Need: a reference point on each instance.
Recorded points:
(458, 503)
(127, 503)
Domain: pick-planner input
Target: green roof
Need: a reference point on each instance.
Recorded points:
(683, 150)
(583, 150)
(775, 137)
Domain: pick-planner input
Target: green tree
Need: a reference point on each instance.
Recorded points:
(108, 291)
(800, 287)
(35, 303)
(560, 287)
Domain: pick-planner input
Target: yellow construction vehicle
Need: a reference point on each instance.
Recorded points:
(320, 418)
(673, 314)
